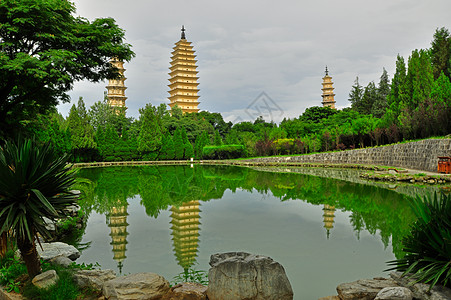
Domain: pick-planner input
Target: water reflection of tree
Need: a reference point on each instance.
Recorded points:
(373, 208)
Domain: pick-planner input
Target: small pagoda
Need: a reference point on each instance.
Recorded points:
(183, 82)
(185, 232)
(116, 87)
(328, 91)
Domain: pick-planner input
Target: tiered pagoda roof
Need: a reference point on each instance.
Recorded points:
(183, 82)
(116, 87)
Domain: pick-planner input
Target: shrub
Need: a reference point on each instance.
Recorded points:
(223, 152)
(428, 246)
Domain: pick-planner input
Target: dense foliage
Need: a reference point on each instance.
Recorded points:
(44, 49)
(416, 104)
(428, 246)
(34, 182)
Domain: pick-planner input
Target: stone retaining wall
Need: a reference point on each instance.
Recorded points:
(421, 155)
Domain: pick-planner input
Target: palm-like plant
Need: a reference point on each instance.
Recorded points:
(428, 247)
(34, 183)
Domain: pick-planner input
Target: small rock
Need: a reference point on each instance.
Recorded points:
(46, 279)
(394, 293)
(52, 250)
(187, 291)
(93, 278)
(421, 290)
(365, 289)
(61, 260)
(136, 286)
(49, 224)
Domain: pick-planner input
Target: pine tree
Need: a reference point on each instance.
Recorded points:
(189, 151)
(81, 132)
(170, 153)
(149, 138)
(179, 146)
(394, 98)
(380, 105)
(441, 53)
(356, 94)
(368, 99)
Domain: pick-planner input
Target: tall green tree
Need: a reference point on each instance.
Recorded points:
(394, 98)
(441, 53)
(81, 132)
(368, 99)
(179, 146)
(383, 90)
(44, 49)
(149, 138)
(356, 94)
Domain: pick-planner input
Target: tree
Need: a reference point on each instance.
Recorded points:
(35, 182)
(81, 132)
(356, 94)
(179, 146)
(149, 138)
(368, 99)
(394, 98)
(441, 53)
(317, 113)
(44, 49)
(217, 139)
(383, 90)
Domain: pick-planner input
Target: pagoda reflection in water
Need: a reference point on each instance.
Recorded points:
(185, 232)
(328, 218)
(117, 221)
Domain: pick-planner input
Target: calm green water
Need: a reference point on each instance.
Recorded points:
(163, 219)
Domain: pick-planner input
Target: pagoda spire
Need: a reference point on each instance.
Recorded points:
(183, 82)
(183, 33)
(328, 91)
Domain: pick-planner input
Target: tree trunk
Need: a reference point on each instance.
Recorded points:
(3, 244)
(30, 257)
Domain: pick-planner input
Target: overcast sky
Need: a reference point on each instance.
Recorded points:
(248, 47)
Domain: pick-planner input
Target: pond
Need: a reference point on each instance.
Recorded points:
(165, 219)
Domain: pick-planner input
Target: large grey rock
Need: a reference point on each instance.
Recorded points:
(51, 250)
(136, 286)
(187, 291)
(394, 293)
(365, 289)
(420, 290)
(93, 279)
(239, 275)
(46, 279)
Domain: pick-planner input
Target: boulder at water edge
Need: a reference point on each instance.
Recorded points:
(187, 291)
(240, 275)
(136, 286)
(52, 250)
(93, 279)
